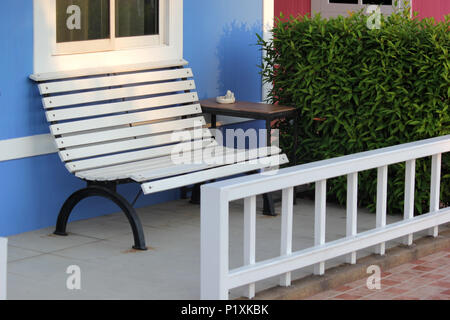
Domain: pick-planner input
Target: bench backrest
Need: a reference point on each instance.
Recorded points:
(102, 120)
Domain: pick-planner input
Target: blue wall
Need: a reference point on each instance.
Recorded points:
(220, 46)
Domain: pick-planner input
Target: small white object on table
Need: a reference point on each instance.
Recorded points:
(227, 99)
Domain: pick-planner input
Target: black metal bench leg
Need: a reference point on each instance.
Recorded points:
(268, 207)
(104, 192)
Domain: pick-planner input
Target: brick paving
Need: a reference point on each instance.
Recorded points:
(424, 279)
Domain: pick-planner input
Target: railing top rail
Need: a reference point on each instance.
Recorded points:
(243, 187)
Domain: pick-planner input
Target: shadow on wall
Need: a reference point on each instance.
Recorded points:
(238, 66)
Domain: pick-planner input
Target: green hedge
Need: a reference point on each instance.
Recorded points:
(358, 89)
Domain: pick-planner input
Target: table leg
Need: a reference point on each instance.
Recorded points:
(268, 207)
(294, 151)
(184, 191)
(195, 196)
(269, 133)
(294, 156)
(213, 121)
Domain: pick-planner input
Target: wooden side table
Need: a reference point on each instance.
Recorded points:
(256, 111)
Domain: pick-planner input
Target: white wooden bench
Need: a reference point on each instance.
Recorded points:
(117, 125)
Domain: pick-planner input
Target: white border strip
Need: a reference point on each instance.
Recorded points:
(3, 267)
(26, 147)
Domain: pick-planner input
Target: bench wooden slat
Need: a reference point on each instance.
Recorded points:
(163, 169)
(128, 132)
(123, 119)
(119, 93)
(132, 156)
(159, 166)
(49, 76)
(113, 81)
(130, 144)
(122, 170)
(215, 173)
(176, 169)
(117, 107)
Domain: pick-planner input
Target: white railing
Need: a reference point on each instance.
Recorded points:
(217, 279)
(3, 263)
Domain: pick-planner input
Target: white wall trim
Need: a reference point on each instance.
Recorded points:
(268, 21)
(26, 147)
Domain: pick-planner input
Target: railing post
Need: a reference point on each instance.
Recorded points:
(287, 208)
(410, 176)
(3, 267)
(382, 182)
(320, 221)
(250, 237)
(435, 189)
(214, 265)
(352, 210)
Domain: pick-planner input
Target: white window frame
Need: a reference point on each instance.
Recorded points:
(327, 9)
(113, 42)
(50, 56)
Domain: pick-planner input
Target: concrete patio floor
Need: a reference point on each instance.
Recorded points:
(101, 247)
